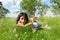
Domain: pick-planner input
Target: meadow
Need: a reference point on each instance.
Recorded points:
(9, 30)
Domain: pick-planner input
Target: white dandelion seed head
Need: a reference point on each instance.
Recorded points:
(16, 35)
(42, 39)
(14, 30)
(25, 33)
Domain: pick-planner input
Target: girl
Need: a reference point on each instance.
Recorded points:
(22, 20)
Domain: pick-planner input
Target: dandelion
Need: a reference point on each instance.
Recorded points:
(42, 39)
(16, 35)
(25, 33)
(14, 30)
(47, 27)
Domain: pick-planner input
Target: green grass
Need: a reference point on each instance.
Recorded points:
(7, 26)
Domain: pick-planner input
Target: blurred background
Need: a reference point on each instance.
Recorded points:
(38, 8)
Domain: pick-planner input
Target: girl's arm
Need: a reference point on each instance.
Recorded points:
(24, 25)
(19, 24)
(28, 23)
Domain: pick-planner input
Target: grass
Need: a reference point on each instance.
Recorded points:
(7, 32)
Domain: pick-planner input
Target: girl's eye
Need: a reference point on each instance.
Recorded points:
(22, 18)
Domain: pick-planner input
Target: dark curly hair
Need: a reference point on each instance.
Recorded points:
(22, 14)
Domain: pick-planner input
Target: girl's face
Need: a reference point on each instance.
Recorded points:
(22, 20)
